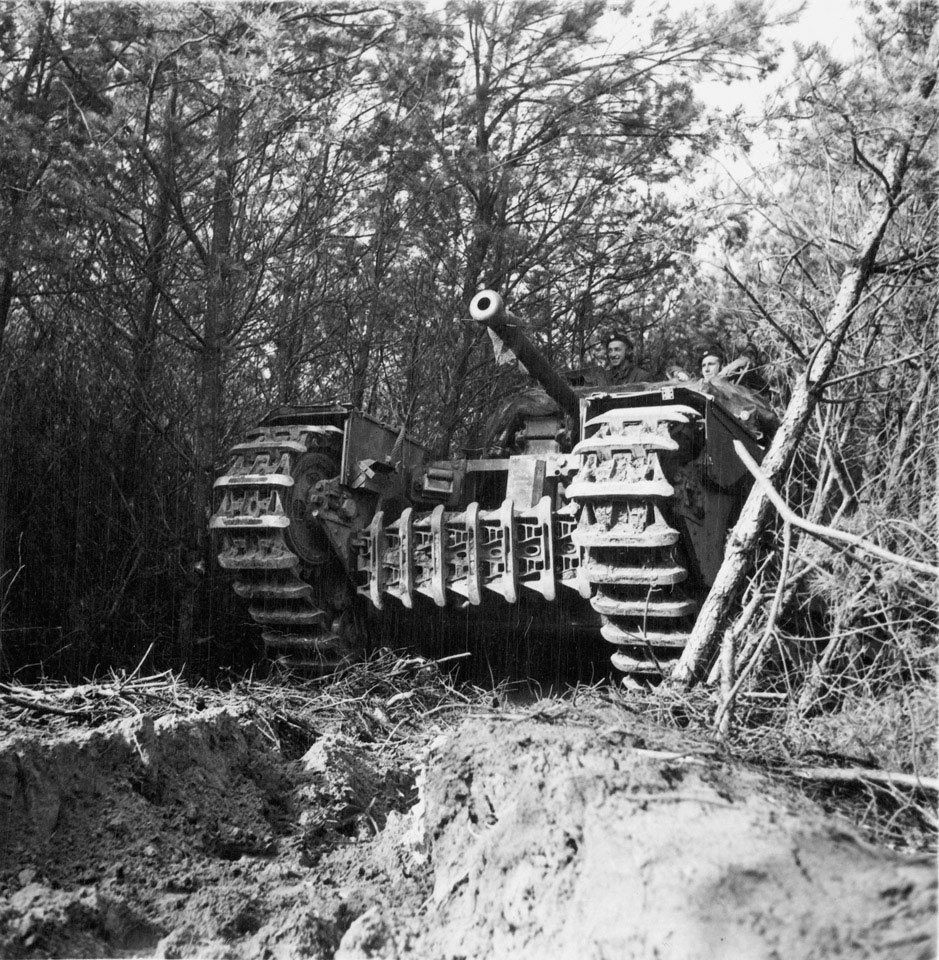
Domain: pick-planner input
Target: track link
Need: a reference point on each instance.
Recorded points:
(631, 566)
(296, 586)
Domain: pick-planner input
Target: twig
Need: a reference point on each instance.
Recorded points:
(689, 757)
(130, 679)
(868, 371)
(741, 624)
(728, 699)
(725, 720)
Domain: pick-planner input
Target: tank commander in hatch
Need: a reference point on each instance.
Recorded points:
(712, 362)
(619, 357)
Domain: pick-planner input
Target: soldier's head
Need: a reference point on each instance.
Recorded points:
(619, 349)
(712, 359)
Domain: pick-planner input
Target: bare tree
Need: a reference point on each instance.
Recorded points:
(907, 124)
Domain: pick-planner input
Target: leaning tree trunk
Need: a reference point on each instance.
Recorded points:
(741, 546)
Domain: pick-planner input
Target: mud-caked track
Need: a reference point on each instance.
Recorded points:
(281, 562)
(633, 568)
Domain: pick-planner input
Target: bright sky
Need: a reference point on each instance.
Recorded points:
(830, 22)
(833, 22)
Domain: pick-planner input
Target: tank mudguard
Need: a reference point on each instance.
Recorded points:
(378, 458)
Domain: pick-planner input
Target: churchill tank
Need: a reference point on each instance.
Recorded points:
(602, 510)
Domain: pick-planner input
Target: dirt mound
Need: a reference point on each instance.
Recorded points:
(567, 841)
(187, 836)
(247, 831)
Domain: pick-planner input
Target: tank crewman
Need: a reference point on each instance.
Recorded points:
(619, 356)
(712, 362)
(593, 369)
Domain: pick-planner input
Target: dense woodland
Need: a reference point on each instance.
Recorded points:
(207, 210)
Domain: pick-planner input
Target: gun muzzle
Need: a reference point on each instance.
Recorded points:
(488, 307)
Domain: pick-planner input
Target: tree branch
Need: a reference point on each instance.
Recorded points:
(823, 532)
(860, 774)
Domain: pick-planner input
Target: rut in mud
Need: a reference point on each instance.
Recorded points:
(234, 827)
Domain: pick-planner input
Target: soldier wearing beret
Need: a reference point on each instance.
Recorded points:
(619, 355)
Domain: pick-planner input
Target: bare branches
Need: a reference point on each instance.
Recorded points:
(824, 355)
(868, 371)
(116, 697)
(763, 312)
(827, 533)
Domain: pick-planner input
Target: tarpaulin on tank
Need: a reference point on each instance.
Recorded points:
(747, 407)
(533, 402)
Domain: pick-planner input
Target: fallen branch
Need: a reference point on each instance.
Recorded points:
(40, 707)
(860, 774)
(823, 532)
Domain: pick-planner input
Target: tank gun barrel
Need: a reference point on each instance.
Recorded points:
(489, 308)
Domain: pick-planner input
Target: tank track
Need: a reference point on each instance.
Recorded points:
(632, 568)
(296, 585)
(461, 555)
(613, 542)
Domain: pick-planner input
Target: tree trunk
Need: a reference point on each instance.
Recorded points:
(17, 188)
(743, 541)
(215, 336)
(145, 338)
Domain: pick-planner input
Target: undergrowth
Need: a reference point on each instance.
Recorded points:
(399, 704)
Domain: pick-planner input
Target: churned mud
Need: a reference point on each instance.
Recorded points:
(247, 826)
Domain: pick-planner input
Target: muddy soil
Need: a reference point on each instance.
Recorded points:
(542, 830)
